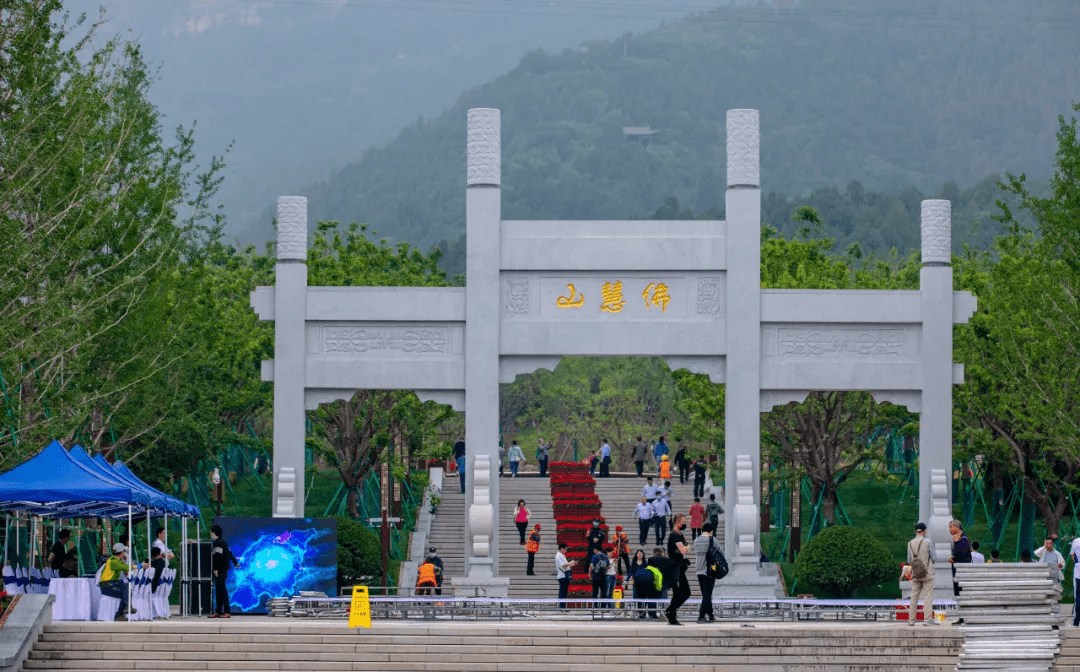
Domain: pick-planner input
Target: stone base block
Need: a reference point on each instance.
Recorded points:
(760, 581)
(483, 587)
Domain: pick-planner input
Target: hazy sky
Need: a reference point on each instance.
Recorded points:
(303, 87)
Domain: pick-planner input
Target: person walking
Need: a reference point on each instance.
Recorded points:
(699, 477)
(521, 519)
(682, 463)
(1049, 555)
(622, 548)
(661, 511)
(221, 561)
(643, 513)
(459, 460)
(612, 575)
(713, 511)
(502, 459)
(639, 454)
(702, 544)
(1074, 553)
(920, 570)
(605, 459)
(531, 547)
(542, 455)
(648, 580)
(598, 566)
(649, 491)
(697, 518)
(516, 457)
(564, 572)
(659, 450)
(639, 561)
(676, 552)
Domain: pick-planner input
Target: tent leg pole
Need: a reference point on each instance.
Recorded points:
(183, 567)
(7, 524)
(198, 563)
(131, 538)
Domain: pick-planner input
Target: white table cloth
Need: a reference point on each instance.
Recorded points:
(74, 599)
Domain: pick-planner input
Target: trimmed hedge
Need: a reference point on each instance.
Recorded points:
(841, 560)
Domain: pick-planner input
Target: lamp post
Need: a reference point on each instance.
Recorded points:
(216, 480)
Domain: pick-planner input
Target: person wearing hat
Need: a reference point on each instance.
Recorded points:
(622, 549)
(920, 549)
(531, 548)
(433, 558)
(665, 468)
(595, 539)
(111, 582)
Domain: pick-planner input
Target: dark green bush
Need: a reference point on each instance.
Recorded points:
(359, 553)
(841, 560)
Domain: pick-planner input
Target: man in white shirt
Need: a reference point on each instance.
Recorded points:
(159, 543)
(1050, 555)
(563, 570)
(1074, 553)
(661, 511)
(976, 557)
(643, 513)
(649, 491)
(605, 460)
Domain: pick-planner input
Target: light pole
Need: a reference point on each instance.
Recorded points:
(216, 480)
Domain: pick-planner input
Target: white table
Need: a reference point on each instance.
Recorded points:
(74, 599)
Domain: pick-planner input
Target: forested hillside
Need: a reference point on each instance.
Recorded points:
(867, 91)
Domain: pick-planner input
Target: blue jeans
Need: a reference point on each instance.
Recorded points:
(610, 586)
(513, 468)
(461, 472)
(118, 590)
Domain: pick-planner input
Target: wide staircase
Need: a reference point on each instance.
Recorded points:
(620, 494)
(255, 644)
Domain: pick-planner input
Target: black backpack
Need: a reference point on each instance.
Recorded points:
(599, 566)
(716, 566)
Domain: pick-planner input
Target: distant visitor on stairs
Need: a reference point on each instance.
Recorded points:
(531, 547)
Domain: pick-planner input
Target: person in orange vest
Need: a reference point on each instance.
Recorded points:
(665, 468)
(531, 547)
(622, 548)
(426, 578)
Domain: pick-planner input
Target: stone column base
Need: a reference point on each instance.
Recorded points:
(497, 587)
(762, 583)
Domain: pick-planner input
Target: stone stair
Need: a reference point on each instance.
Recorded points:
(254, 644)
(1069, 660)
(620, 494)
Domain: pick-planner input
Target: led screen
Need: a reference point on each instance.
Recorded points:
(279, 557)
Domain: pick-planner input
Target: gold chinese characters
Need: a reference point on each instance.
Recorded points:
(612, 301)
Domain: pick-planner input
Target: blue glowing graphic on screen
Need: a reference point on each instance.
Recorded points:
(279, 557)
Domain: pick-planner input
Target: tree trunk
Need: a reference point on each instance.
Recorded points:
(828, 505)
(351, 502)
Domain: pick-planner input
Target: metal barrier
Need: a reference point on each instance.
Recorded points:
(479, 608)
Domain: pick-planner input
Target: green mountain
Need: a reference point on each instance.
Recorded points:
(899, 96)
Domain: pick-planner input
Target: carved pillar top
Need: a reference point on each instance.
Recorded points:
(743, 149)
(292, 228)
(936, 232)
(484, 151)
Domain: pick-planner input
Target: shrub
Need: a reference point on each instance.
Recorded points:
(841, 560)
(359, 553)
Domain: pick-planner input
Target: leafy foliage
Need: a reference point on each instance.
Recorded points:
(842, 560)
(359, 552)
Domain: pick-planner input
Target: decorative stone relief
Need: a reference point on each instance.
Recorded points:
(285, 506)
(352, 340)
(710, 296)
(484, 153)
(292, 228)
(743, 149)
(838, 342)
(517, 296)
(747, 518)
(941, 514)
(936, 232)
(481, 514)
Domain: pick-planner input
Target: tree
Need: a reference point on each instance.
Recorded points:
(90, 201)
(1020, 398)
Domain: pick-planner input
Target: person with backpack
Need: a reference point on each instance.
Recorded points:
(659, 450)
(699, 477)
(920, 571)
(598, 566)
(713, 511)
(648, 581)
(705, 550)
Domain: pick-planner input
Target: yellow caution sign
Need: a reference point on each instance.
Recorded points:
(360, 609)
(616, 595)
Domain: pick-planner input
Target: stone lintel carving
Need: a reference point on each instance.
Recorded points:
(710, 298)
(747, 518)
(512, 366)
(714, 367)
(743, 149)
(936, 232)
(484, 151)
(360, 340)
(516, 296)
(481, 520)
(940, 515)
(292, 228)
(285, 505)
(841, 342)
(455, 399)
